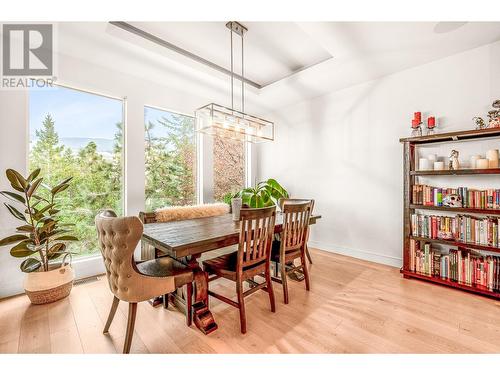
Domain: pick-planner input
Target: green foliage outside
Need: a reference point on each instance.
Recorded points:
(96, 184)
(170, 162)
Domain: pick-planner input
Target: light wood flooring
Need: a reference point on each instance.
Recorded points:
(354, 306)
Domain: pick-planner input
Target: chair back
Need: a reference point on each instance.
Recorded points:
(118, 238)
(296, 214)
(256, 235)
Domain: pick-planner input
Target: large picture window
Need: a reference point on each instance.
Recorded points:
(170, 146)
(78, 134)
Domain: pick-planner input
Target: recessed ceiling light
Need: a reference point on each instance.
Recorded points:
(446, 27)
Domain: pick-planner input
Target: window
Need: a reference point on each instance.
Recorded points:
(170, 159)
(80, 135)
(229, 166)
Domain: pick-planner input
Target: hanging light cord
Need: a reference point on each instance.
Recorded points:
(242, 77)
(232, 70)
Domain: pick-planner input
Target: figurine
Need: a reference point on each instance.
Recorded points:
(454, 164)
(494, 115)
(493, 118)
(479, 123)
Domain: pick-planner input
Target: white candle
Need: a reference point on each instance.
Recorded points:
(473, 160)
(424, 164)
(439, 165)
(432, 157)
(482, 163)
(492, 156)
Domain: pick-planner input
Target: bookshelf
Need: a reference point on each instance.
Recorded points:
(410, 174)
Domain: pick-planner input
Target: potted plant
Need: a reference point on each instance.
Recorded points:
(264, 194)
(41, 239)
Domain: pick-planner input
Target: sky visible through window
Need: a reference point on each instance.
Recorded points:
(77, 115)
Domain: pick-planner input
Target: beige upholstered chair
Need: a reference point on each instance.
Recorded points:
(293, 241)
(128, 281)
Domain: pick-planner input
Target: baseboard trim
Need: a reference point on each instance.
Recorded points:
(360, 254)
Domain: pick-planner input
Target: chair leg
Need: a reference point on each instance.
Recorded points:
(132, 312)
(189, 304)
(112, 313)
(306, 271)
(308, 255)
(269, 285)
(241, 306)
(284, 282)
(165, 301)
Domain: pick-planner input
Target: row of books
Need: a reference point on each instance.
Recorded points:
(464, 266)
(471, 198)
(463, 228)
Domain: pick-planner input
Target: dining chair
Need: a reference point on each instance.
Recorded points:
(293, 242)
(130, 281)
(282, 201)
(251, 259)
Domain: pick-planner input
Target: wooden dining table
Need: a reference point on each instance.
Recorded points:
(186, 241)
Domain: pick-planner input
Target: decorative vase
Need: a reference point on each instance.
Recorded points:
(236, 204)
(49, 286)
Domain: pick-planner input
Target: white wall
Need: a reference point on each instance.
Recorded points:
(84, 75)
(343, 148)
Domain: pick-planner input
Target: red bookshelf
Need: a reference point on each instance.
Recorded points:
(410, 174)
(437, 280)
(481, 211)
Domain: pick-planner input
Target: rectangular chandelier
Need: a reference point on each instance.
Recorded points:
(217, 120)
(220, 121)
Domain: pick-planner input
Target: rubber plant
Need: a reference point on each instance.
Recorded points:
(41, 238)
(264, 194)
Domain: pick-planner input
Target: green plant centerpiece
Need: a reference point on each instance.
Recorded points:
(42, 238)
(263, 194)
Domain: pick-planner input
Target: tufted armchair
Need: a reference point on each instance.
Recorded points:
(128, 281)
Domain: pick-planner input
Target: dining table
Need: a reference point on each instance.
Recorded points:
(186, 241)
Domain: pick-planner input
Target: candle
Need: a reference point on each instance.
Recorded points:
(431, 122)
(415, 123)
(482, 163)
(424, 164)
(439, 165)
(432, 157)
(473, 160)
(418, 116)
(492, 156)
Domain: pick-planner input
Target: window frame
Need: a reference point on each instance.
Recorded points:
(199, 152)
(86, 266)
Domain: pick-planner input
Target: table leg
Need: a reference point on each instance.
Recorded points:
(202, 317)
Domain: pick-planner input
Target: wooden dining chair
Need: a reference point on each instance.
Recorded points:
(282, 201)
(292, 244)
(130, 281)
(251, 259)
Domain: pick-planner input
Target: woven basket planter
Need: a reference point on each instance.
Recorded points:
(50, 286)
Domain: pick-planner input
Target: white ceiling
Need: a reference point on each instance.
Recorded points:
(281, 47)
(325, 56)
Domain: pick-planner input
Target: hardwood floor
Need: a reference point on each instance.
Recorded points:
(354, 306)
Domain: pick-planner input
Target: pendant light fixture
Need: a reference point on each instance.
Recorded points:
(221, 121)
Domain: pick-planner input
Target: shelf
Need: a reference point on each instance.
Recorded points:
(458, 244)
(456, 172)
(454, 136)
(487, 211)
(437, 280)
